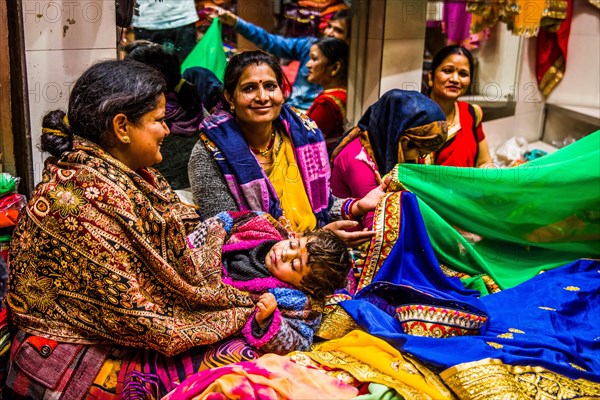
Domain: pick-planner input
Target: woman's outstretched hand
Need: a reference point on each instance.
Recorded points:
(352, 239)
(225, 16)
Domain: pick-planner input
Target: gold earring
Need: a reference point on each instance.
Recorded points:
(126, 139)
(430, 83)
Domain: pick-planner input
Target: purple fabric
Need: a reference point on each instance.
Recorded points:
(269, 334)
(257, 285)
(456, 21)
(179, 120)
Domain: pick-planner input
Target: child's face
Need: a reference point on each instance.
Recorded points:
(288, 261)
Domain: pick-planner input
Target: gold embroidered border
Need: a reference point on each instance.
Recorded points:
(492, 379)
(553, 76)
(336, 324)
(364, 372)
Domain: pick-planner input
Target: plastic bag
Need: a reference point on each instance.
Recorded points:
(209, 52)
(511, 151)
(10, 208)
(8, 183)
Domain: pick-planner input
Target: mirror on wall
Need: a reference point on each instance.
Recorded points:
(496, 52)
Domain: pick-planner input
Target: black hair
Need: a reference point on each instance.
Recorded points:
(238, 63)
(329, 262)
(448, 51)
(335, 50)
(167, 62)
(104, 90)
(343, 15)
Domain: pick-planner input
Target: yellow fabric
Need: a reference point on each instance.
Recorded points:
(287, 181)
(408, 377)
(522, 17)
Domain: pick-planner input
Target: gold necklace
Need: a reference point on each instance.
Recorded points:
(268, 148)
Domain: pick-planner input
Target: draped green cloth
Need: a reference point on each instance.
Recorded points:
(514, 222)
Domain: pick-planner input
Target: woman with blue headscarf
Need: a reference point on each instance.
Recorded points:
(401, 126)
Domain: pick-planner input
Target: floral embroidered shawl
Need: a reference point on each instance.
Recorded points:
(100, 256)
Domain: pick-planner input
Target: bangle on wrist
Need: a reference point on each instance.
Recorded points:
(352, 203)
(346, 209)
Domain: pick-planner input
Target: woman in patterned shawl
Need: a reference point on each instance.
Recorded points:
(101, 276)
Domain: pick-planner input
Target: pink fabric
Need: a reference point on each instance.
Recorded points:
(269, 334)
(269, 377)
(354, 162)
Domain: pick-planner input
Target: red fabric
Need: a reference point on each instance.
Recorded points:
(38, 342)
(327, 114)
(353, 162)
(10, 206)
(8, 218)
(3, 318)
(552, 45)
(291, 70)
(462, 149)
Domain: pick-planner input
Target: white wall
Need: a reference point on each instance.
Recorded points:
(62, 38)
(580, 85)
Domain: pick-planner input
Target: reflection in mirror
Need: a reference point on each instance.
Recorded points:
(496, 52)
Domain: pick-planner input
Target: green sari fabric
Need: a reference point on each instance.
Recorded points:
(512, 223)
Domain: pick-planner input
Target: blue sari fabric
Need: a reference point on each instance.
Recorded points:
(550, 321)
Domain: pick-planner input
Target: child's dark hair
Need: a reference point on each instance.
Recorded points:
(329, 263)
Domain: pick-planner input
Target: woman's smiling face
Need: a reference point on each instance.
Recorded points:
(146, 137)
(257, 97)
(452, 78)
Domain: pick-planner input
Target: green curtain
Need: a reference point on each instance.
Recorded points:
(517, 221)
(208, 52)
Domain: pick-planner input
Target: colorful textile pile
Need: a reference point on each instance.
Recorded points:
(360, 358)
(542, 331)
